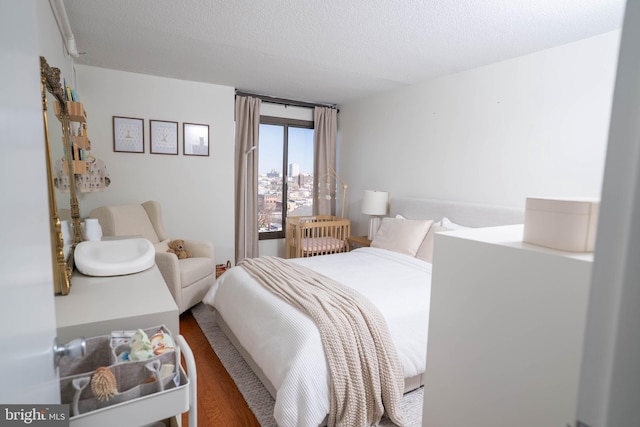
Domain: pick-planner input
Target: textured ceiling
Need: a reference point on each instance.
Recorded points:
(329, 51)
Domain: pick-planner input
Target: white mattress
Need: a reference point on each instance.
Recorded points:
(322, 244)
(285, 343)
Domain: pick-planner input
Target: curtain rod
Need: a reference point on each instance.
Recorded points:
(284, 101)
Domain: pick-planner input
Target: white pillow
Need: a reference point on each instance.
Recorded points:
(446, 222)
(401, 235)
(425, 252)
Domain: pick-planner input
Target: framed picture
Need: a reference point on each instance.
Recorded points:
(195, 139)
(163, 136)
(128, 134)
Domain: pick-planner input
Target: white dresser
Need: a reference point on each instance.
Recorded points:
(506, 331)
(98, 305)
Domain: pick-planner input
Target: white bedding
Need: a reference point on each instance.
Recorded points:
(285, 343)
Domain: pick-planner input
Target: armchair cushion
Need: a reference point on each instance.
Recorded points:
(190, 270)
(194, 269)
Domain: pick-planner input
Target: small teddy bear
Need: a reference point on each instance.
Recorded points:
(177, 247)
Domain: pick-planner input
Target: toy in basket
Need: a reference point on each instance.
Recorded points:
(308, 236)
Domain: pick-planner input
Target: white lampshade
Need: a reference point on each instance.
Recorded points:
(375, 202)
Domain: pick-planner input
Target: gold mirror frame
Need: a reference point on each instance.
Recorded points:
(62, 268)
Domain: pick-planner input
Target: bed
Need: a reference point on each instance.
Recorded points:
(282, 344)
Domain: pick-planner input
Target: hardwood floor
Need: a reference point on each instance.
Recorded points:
(219, 401)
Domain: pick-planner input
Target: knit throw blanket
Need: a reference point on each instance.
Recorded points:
(365, 373)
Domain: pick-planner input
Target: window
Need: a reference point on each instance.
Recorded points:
(285, 173)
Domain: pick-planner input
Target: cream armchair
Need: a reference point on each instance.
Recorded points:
(188, 279)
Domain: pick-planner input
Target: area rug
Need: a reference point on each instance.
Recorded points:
(258, 398)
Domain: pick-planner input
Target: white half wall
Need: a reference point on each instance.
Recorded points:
(196, 192)
(533, 125)
(27, 312)
(610, 377)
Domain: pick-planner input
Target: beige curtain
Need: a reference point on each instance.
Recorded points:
(324, 145)
(246, 179)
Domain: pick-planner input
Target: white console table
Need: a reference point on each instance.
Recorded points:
(506, 331)
(98, 305)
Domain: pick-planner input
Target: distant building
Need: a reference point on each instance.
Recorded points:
(298, 200)
(305, 180)
(268, 201)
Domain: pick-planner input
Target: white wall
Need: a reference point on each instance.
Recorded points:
(286, 111)
(196, 192)
(533, 125)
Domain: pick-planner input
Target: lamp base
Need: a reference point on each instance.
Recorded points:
(374, 224)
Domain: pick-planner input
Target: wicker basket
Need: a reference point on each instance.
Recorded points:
(221, 268)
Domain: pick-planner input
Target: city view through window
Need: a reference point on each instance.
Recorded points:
(281, 145)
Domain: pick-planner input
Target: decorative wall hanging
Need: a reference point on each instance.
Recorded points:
(128, 134)
(163, 136)
(195, 139)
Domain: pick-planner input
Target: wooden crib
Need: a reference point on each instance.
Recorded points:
(308, 236)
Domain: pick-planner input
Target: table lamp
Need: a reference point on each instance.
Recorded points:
(374, 203)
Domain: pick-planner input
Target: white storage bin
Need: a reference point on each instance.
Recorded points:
(563, 224)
